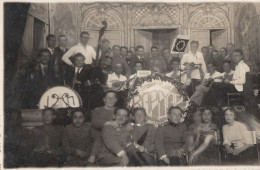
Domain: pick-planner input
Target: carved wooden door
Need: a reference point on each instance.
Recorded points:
(203, 36)
(144, 38)
(219, 38)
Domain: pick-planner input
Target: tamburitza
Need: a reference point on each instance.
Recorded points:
(60, 97)
(157, 93)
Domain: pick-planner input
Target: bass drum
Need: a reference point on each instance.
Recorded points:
(157, 93)
(60, 97)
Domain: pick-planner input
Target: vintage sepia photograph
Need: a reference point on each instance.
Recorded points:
(95, 84)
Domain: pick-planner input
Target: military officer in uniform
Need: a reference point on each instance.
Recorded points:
(115, 137)
(170, 139)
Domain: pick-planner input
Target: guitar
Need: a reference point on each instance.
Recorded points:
(117, 85)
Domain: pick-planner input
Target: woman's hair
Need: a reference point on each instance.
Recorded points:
(141, 109)
(231, 109)
(122, 108)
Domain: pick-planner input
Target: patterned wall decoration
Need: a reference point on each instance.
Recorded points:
(208, 16)
(246, 29)
(160, 15)
(92, 22)
(64, 21)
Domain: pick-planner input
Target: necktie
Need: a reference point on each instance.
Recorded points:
(44, 70)
(77, 74)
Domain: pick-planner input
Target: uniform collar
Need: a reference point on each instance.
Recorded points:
(173, 124)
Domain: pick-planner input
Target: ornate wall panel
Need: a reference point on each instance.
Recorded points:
(246, 29)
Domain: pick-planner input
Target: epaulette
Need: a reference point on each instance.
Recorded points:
(111, 123)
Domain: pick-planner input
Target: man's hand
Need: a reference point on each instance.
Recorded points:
(81, 153)
(116, 84)
(76, 82)
(91, 159)
(229, 150)
(166, 160)
(179, 152)
(124, 160)
(236, 151)
(226, 81)
(72, 65)
(141, 149)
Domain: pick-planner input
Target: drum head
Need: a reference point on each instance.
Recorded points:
(157, 94)
(60, 97)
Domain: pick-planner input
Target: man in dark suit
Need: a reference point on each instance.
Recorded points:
(59, 66)
(82, 79)
(42, 76)
(139, 56)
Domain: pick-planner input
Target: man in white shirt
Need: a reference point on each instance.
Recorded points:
(239, 77)
(83, 48)
(114, 80)
(195, 64)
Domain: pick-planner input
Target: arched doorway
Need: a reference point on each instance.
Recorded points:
(210, 27)
(92, 22)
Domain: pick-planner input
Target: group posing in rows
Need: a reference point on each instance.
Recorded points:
(115, 136)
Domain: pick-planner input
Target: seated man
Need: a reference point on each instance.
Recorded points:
(236, 84)
(156, 60)
(116, 79)
(82, 79)
(115, 137)
(170, 139)
(202, 89)
(176, 73)
(143, 139)
(76, 141)
(42, 76)
(228, 72)
(101, 115)
(47, 138)
(138, 67)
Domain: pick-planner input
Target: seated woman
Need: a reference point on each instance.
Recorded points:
(237, 144)
(143, 139)
(205, 152)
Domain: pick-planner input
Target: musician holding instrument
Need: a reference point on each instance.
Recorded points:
(176, 73)
(116, 79)
(202, 90)
(194, 62)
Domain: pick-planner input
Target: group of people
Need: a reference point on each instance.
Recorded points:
(119, 137)
(116, 136)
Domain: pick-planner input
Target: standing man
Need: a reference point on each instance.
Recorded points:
(51, 42)
(194, 63)
(230, 50)
(166, 54)
(123, 52)
(217, 60)
(83, 48)
(156, 60)
(117, 59)
(206, 54)
(61, 67)
(140, 57)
